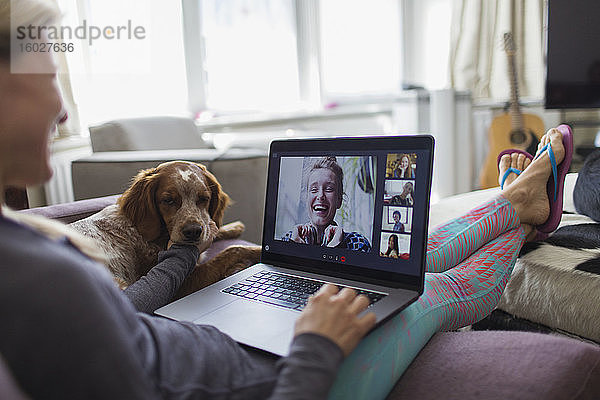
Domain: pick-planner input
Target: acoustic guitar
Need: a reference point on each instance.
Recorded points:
(512, 129)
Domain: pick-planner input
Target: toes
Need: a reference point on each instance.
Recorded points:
(555, 137)
(503, 165)
(505, 162)
(514, 159)
(521, 162)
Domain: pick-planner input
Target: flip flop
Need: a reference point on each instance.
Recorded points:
(539, 236)
(511, 170)
(555, 186)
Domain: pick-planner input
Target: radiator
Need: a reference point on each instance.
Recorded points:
(59, 189)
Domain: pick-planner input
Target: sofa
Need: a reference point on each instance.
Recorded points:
(453, 365)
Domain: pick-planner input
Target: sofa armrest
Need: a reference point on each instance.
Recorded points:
(74, 211)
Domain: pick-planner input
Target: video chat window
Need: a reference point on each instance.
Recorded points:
(394, 245)
(401, 166)
(397, 219)
(327, 201)
(399, 192)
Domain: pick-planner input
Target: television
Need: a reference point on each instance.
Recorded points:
(573, 54)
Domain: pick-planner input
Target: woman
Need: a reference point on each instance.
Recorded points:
(392, 250)
(405, 198)
(398, 226)
(325, 187)
(69, 333)
(404, 168)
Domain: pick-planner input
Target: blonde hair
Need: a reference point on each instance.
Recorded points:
(23, 13)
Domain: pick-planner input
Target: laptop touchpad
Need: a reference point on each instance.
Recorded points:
(258, 325)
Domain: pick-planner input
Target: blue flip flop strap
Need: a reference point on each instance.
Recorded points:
(507, 173)
(548, 147)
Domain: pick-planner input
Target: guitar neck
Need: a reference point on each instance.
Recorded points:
(515, 108)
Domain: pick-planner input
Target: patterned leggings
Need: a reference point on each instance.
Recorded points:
(469, 261)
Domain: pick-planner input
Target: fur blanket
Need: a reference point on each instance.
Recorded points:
(556, 282)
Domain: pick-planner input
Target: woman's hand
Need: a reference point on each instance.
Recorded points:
(333, 236)
(301, 234)
(334, 315)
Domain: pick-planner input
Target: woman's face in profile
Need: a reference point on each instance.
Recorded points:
(404, 162)
(407, 188)
(323, 196)
(35, 104)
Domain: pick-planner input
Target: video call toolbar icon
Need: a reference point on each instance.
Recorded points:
(332, 257)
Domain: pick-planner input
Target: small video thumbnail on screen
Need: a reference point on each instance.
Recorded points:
(398, 202)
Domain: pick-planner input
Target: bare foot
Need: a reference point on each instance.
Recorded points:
(527, 192)
(517, 161)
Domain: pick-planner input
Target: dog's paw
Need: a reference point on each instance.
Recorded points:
(209, 237)
(231, 231)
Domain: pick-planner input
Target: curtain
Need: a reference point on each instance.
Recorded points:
(72, 126)
(478, 62)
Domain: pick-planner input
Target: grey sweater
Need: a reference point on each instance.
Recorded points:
(68, 332)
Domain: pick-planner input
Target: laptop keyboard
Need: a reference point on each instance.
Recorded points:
(284, 290)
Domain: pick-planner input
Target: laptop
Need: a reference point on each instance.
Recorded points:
(348, 211)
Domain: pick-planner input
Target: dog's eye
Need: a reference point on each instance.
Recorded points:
(168, 201)
(203, 199)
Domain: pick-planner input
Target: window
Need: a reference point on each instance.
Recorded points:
(257, 54)
(126, 78)
(250, 54)
(360, 47)
(254, 55)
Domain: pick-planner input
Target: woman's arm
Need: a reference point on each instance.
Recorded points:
(161, 283)
(68, 334)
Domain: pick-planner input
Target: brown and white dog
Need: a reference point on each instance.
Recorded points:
(176, 202)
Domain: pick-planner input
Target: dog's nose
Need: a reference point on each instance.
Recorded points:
(192, 231)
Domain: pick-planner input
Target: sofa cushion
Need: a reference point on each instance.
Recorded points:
(502, 365)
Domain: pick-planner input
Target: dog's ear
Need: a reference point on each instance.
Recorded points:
(138, 204)
(219, 200)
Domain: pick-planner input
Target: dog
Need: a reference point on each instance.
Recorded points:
(176, 202)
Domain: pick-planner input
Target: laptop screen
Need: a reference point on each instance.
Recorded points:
(350, 206)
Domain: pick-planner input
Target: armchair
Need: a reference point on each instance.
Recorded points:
(123, 147)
